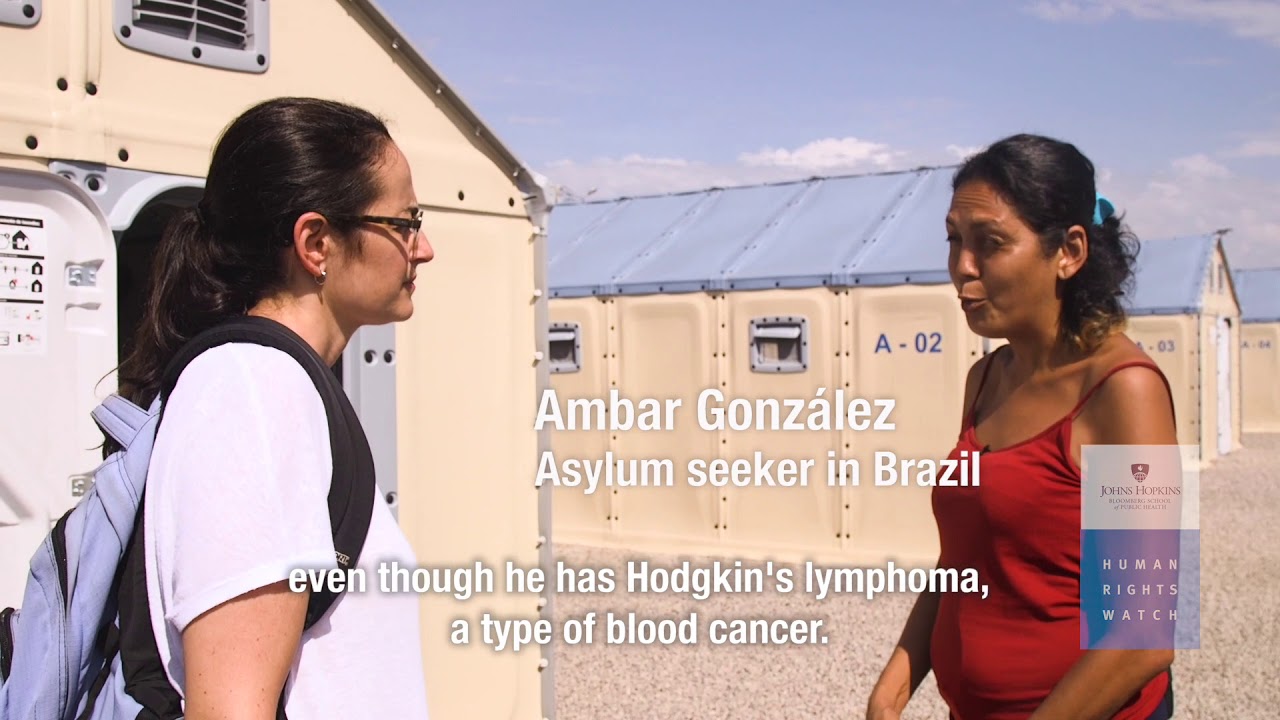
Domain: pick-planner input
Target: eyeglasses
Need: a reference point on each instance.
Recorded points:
(413, 225)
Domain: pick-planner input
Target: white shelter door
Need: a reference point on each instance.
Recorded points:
(57, 353)
(1224, 386)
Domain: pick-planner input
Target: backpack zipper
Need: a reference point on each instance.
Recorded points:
(6, 643)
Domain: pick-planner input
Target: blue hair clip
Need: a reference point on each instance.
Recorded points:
(1102, 210)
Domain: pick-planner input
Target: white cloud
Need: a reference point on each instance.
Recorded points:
(1247, 18)
(826, 156)
(1199, 195)
(1062, 11)
(1260, 148)
(1258, 19)
(636, 174)
(1200, 166)
(964, 152)
(639, 175)
(632, 175)
(641, 160)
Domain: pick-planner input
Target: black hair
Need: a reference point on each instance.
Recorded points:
(276, 161)
(1051, 185)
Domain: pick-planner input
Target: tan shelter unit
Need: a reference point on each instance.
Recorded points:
(753, 307)
(109, 127)
(1184, 314)
(1259, 292)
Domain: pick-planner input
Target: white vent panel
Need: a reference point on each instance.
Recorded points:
(227, 34)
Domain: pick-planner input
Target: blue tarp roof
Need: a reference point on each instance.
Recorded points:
(1170, 275)
(856, 230)
(882, 229)
(1259, 292)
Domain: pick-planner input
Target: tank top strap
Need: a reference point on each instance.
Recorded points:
(1121, 366)
(982, 382)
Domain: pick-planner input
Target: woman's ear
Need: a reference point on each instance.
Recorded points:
(1073, 253)
(312, 242)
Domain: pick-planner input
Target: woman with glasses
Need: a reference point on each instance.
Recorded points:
(1039, 259)
(309, 222)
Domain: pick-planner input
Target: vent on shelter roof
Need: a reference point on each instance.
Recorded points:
(227, 34)
(22, 13)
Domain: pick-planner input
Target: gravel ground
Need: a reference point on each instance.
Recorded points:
(1232, 675)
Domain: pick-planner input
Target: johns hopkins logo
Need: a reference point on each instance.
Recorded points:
(1140, 472)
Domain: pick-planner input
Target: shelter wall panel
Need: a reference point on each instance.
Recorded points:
(1173, 342)
(467, 390)
(169, 122)
(35, 57)
(911, 345)
(1260, 367)
(795, 520)
(577, 515)
(665, 351)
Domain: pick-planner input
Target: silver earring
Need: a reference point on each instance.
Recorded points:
(322, 277)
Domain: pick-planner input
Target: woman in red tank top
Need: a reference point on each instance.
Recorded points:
(1038, 259)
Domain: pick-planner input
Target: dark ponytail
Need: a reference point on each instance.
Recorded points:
(1051, 185)
(1092, 299)
(278, 160)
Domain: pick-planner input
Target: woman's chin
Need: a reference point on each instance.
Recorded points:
(401, 311)
(983, 328)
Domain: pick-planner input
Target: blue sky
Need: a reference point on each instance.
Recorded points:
(1176, 101)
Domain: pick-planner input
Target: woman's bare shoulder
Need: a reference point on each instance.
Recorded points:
(1129, 404)
(1118, 349)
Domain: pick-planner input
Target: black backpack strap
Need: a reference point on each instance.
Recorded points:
(352, 491)
(351, 497)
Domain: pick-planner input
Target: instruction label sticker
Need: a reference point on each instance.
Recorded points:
(24, 283)
(1140, 547)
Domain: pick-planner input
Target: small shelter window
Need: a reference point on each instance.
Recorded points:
(565, 347)
(779, 344)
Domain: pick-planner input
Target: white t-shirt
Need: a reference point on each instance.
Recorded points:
(236, 498)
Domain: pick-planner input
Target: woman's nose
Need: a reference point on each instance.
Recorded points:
(966, 263)
(423, 252)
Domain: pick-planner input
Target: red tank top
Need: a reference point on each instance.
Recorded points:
(999, 658)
